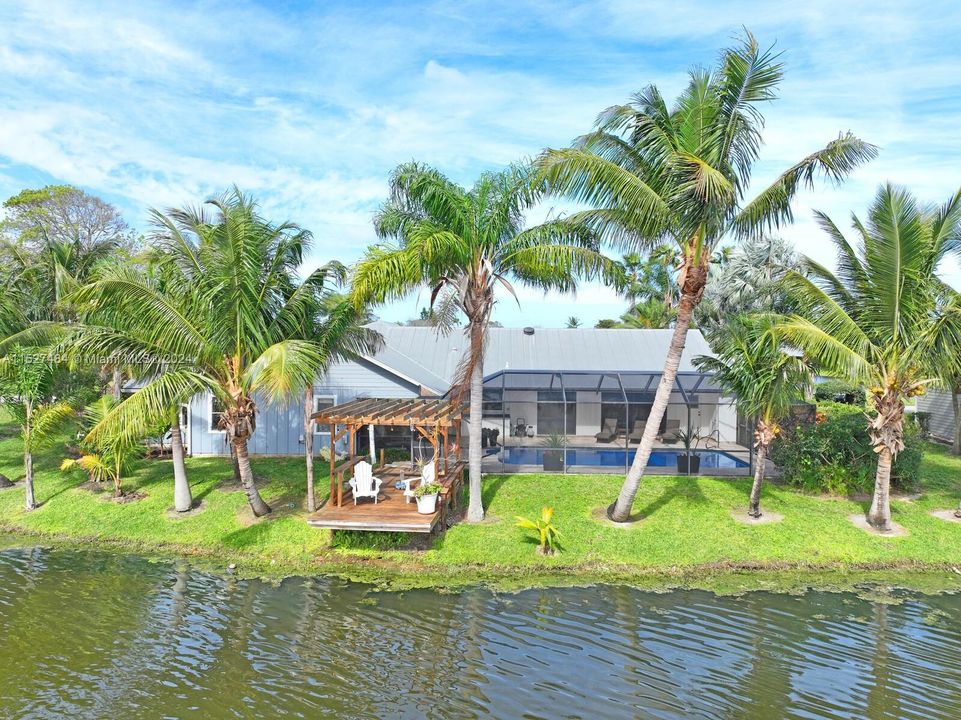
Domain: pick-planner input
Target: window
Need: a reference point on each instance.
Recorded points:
(216, 414)
(493, 401)
(556, 412)
(322, 402)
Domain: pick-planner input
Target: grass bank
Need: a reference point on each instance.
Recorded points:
(687, 535)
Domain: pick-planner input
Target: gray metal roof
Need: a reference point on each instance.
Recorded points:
(431, 358)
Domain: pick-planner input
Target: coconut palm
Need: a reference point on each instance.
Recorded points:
(750, 364)
(878, 320)
(471, 242)
(656, 175)
(226, 321)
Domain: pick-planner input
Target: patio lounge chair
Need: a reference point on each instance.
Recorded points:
(428, 475)
(671, 432)
(608, 431)
(638, 432)
(364, 484)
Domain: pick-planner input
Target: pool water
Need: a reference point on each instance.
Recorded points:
(614, 457)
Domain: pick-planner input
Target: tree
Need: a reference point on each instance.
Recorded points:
(655, 175)
(227, 322)
(57, 235)
(748, 281)
(650, 313)
(878, 320)
(26, 377)
(751, 365)
(337, 326)
(110, 457)
(573, 322)
(471, 242)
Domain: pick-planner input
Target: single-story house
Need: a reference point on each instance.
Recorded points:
(539, 383)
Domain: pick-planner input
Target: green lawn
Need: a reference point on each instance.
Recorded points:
(687, 525)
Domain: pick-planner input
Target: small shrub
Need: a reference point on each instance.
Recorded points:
(834, 454)
(838, 391)
(392, 455)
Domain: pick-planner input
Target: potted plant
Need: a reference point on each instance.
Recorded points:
(689, 461)
(426, 496)
(554, 455)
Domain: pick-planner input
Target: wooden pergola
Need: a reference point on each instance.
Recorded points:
(432, 418)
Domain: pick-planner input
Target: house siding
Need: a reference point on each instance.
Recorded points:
(938, 403)
(280, 426)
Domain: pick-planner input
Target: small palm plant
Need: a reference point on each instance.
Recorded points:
(548, 534)
(751, 364)
(110, 455)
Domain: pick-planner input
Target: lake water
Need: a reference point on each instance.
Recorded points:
(87, 635)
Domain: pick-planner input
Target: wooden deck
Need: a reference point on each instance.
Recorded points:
(392, 512)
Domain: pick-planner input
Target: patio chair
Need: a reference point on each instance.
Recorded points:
(608, 431)
(520, 427)
(672, 430)
(638, 432)
(363, 483)
(428, 475)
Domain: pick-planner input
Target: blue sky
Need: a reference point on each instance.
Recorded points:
(309, 106)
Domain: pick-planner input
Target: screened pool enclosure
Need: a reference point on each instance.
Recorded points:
(589, 421)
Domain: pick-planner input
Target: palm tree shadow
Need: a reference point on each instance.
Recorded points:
(683, 488)
(490, 489)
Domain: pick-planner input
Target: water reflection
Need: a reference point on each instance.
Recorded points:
(85, 635)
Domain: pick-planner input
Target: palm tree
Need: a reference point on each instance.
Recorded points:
(111, 456)
(751, 364)
(573, 322)
(656, 175)
(471, 242)
(228, 321)
(25, 376)
(879, 319)
(337, 326)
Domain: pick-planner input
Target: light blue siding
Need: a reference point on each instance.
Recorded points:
(279, 428)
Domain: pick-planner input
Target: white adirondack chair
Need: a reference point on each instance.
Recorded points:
(364, 484)
(427, 476)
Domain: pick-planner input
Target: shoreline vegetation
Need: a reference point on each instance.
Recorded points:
(687, 537)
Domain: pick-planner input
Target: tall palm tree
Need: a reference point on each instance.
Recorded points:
(471, 242)
(878, 320)
(228, 321)
(337, 326)
(657, 175)
(750, 363)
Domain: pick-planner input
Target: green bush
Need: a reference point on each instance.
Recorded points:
(834, 455)
(839, 391)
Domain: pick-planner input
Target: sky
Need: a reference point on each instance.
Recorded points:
(309, 106)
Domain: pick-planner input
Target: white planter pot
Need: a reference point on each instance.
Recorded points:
(427, 504)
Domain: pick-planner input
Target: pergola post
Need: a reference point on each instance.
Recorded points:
(333, 460)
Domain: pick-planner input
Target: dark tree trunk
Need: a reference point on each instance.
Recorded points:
(31, 502)
(257, 504)
(754, 507)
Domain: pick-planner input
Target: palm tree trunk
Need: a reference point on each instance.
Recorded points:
(879, 516)
(182, 498)
(754, 507)
(117, 481)
(257, 504)
(621, 510)
(475, 505)
(116, 384)
(309, 446)
(31, 501)
(956, 406)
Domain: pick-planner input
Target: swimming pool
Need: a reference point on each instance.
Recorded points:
(604, 457)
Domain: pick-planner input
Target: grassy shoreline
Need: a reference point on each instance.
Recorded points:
(686, 539)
